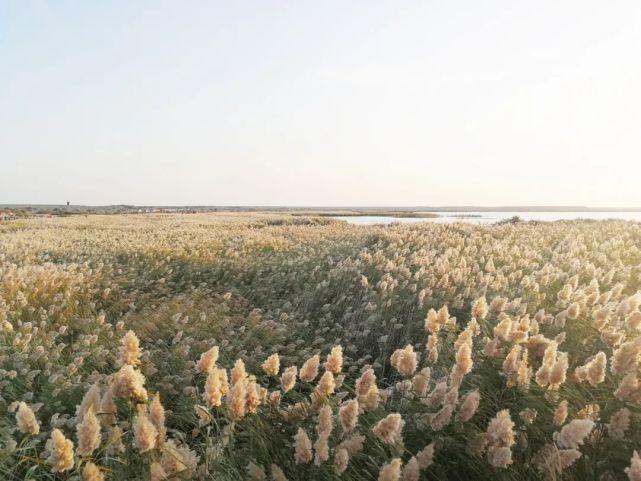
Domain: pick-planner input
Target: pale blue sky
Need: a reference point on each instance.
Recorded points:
(321, 102)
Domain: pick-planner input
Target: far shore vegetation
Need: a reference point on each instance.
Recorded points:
(383, 213)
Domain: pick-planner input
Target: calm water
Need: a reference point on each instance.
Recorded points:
(491, 217)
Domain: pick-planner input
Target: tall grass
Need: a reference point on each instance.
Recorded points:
(155, 347)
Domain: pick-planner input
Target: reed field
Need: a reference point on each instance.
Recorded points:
(278, 347)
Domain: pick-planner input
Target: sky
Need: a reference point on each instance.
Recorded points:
(328, 103)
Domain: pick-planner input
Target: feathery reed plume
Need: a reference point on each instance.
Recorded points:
(88, 433)
(367, 390)
(61, 456)
(353, 445)
(321, 450)
(549, 359)
(405, 360)
(432, 323)
(157, 472)
(341, 460)
(255, 472)
(629, 389)
(568, 457)
(463, 364)
(288, 378)
(443, 316)
(236, 400)
(551, 461)
(633, 321)
(91, 398)
(26, 420)
(634, 471)
(500, 437)
(627, 357)
(432, 348)
(560, 413)
(479, 308)
(253, 396)
(390, 471)
(573, 310)
(91, 472)
(274, 399)
(411, 470)
(207, 361)
(145, 433)
(425, 456)
(559, 371)
(593, 371)
(129, 384)
(421, 382)
(271, 366)
(574, 433)
(601, 318)
(389, 428)
(323, 429)
(238, 372)
(157, 418)
(619, 423)
(130, 349)
(326, 385)
(178, 459)
(437, 396)
(442, 418)
(348, 414)
(469, 405)
(302, 447)
(108, 409)
(334, 362)
(309, 370)
(511, 362)
(216, 387)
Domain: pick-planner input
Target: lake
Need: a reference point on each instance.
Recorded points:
(489, 217)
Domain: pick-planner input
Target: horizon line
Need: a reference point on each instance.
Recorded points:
(567, 208)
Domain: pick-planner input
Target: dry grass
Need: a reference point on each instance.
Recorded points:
(466, 352)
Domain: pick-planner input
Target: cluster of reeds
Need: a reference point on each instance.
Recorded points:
(166, 347)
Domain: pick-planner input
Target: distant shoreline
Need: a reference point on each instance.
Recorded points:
(382, 213)
(409, 211)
